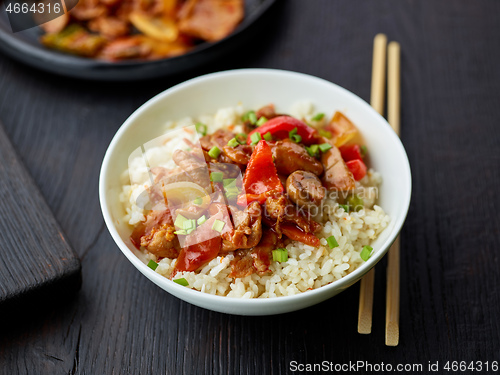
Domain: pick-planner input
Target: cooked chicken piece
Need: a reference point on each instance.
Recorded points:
(257, 259)
(219, 138)
(304, 188)
(267, 112)
(111, 27)
(240, 154)
(156, 234)
(195, 167)
(290, 157)
(210, 20)
(279, 209)
(88, 9)
(337, 175)
(247, 230)
(131, 47)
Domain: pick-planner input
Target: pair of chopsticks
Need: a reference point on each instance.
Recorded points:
(393, 52)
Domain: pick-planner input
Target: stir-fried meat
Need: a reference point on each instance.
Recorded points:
(290, 157)
(239, 154)
(156, 234)
(337, 175)
(279, 209)
(247, 230)
(210, 20)
(194, 166)
(257, 259)
(88, 9)
(219, 138)
(125, 48)
(267, 112)
(304, 188)
(111, 27)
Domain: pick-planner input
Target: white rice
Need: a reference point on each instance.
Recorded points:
(307, 267)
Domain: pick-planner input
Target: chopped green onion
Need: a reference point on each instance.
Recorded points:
(218, 225)
(280, 255)
(214, 152)
(364, 150)
(181, 281)
(325, 147)
(228, 181)
(217, 176)
(233, 143)
(318, 117)
(153, 265)
(189, 231)
(179, 221)
(292, 132)
(201, 220)
(241, 138)
(355, 203)
(325, 133)
(332, 242)
(296, 138)
(345, 207)
(198, 201)
(252, 117)
(201, 128)
(366, 253)
(180, 231)
(246, 115)
(261, 121)
(268, 136)
(189, 224)
(313, 150)
(255, 138)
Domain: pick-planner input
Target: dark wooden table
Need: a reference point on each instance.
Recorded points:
(120, 323)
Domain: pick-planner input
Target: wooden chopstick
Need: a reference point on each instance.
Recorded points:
(377, 102)
(394, 118)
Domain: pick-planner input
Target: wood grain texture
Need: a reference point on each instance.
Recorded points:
(120, 323)
(36, 259)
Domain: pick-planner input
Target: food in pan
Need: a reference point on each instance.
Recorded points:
(254, 203)
(118, 30)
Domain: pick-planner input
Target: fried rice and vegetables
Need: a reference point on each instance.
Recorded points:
(255, 204)
(117, 30)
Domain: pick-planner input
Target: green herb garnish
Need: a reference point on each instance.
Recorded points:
(296, 138)
(218, 225)
(318, 117)
(345, 207)
(153, 265)
(233, 143)
(325, 133)
(255, 138)
(324, 147)
(313, 150)
(261, 121)
(364, 150)
(268, 136)
(366, 253)
(201, 220)
(214, 152)
(280, 255)
(355, 203)
(216, 176)
(332, 242)
(182, 281)
(201, 128)
(179, 221)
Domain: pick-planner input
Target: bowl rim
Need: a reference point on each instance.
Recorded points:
(177, 289)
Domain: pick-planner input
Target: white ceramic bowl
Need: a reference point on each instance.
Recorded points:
(255, 88)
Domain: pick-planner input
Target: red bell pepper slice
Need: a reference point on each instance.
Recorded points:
(351, 152)
(357, 168)
(295, 233)
(280, 126)
(260, 175)
(194, 256)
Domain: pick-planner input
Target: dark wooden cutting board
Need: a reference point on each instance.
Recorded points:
(36, 261)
